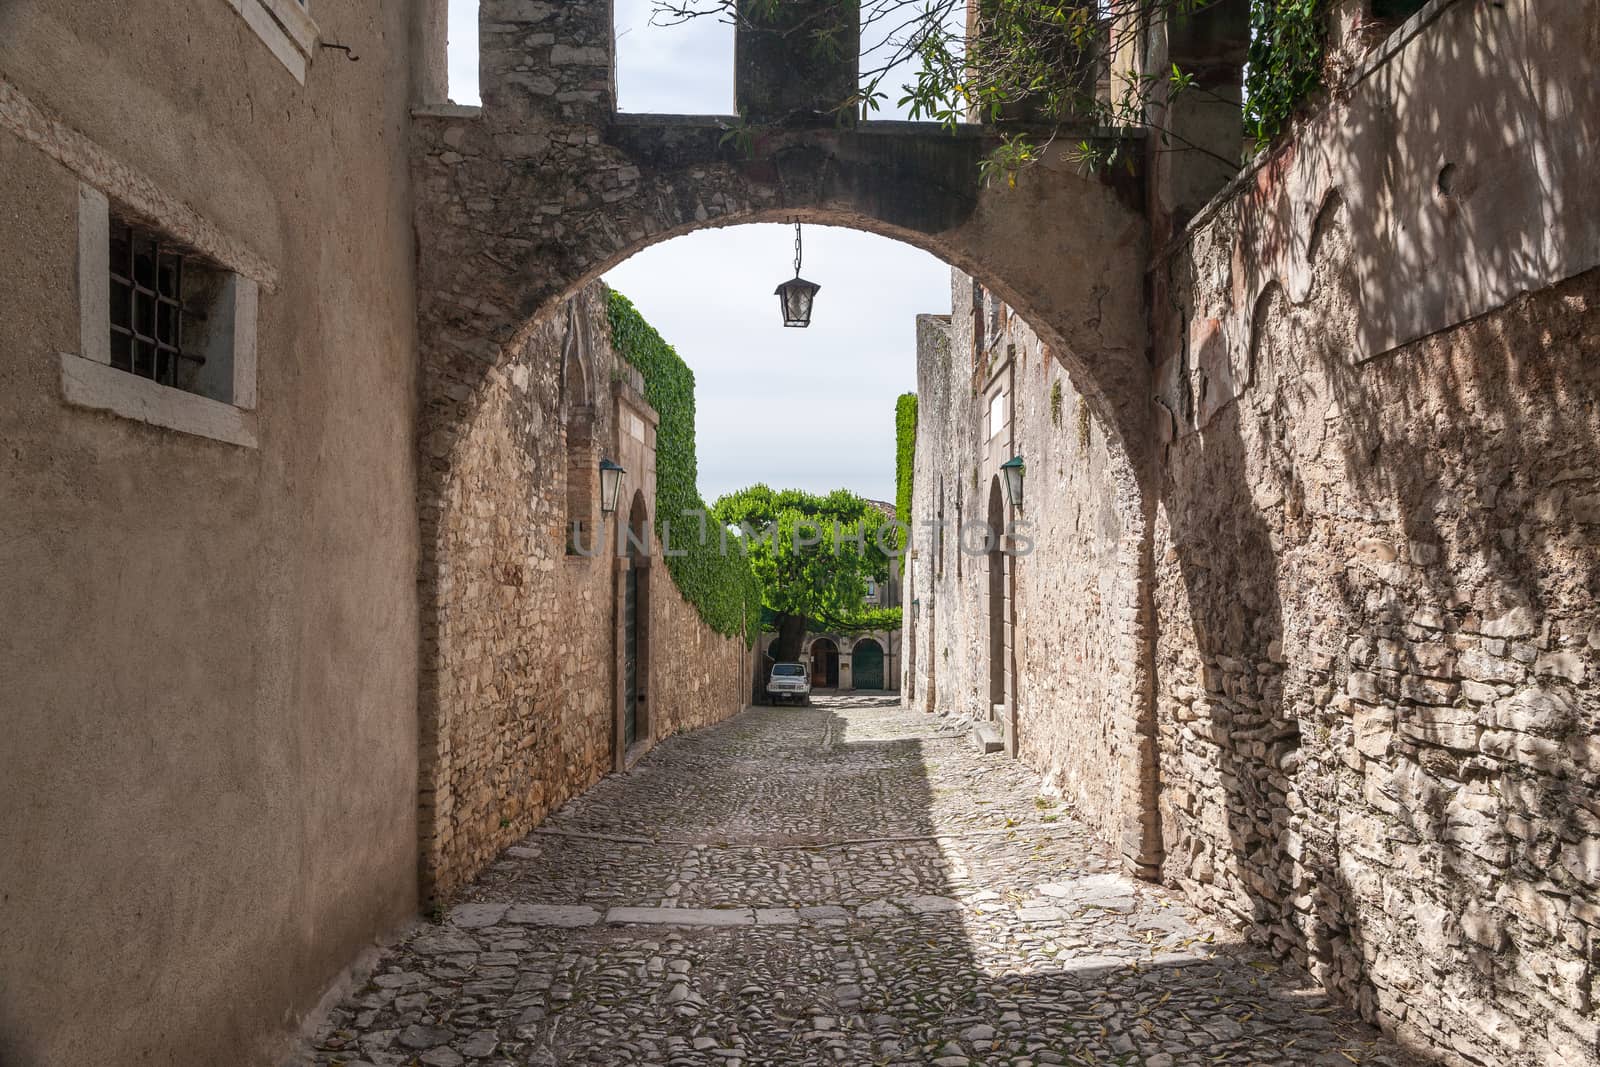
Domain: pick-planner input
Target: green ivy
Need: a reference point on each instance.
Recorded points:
(905, 449)
(1287, 40)
(720, 585)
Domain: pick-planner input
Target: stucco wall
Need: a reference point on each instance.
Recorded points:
(520, 707)
(207, 659)
(1075, 644)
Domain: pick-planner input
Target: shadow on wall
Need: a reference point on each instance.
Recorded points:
(1389, 574)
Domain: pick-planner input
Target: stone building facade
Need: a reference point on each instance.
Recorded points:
(524, 707)
(1035, 635)
(1308, 627)
(1361, 559)
(208, 654)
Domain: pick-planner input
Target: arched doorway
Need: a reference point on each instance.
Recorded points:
(824, 664)
(867, 660)
(635, 666)
(999, 613)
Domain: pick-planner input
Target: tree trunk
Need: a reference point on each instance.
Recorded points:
(791, 635)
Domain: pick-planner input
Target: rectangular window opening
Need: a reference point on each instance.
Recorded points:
(461, 51)
(170, 319)
(668, 66)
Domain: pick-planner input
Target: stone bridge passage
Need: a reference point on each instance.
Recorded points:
(848, 883)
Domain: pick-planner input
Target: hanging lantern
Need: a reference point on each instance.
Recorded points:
(797, 295)
(610, 485)
(1012, 469)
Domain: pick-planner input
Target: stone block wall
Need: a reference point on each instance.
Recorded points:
(1079, 633)
(1075, 645)
(697, 676)
(524, 709)
(1378, 707)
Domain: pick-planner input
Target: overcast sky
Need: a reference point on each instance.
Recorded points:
(808, 409)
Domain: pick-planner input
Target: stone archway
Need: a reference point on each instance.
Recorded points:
(524, 201)
(999, 605)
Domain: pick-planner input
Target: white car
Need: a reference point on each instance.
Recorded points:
(789, 681)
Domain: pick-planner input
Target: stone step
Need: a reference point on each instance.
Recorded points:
(986, 735)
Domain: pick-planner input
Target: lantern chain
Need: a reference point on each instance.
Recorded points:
(797, 249)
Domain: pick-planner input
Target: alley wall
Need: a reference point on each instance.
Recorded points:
(987, 390)
(208, 651)
(522, 635)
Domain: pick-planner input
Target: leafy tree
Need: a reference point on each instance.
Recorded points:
(1040, 63)
(812, 556)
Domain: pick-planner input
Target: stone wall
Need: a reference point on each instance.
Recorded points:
(521, 709)
(1377, 547)
(1377, 593)
(697, 676)
(1073, 652)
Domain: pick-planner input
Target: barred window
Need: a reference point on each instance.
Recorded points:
(164, 312)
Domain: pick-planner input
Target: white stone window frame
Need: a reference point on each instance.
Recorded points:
(998, 417)
(286, 28)
(88, 380)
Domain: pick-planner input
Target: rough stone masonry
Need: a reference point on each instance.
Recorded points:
(1368, 550)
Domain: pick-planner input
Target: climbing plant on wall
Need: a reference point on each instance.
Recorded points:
(719, 584)
(1287, 40)
(905, 449)
(1046, 62)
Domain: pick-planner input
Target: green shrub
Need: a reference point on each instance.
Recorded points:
(1287, 39)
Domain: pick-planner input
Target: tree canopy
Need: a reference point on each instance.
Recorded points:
(812, 557)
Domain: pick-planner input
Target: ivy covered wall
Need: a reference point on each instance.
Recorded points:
(905, 446)
(720, 586)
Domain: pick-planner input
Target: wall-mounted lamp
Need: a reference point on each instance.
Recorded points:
(610, 485)
(797, 295)
(1012, 469)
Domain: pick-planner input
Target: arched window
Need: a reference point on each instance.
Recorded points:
(577, 420)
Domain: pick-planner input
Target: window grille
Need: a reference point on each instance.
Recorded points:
(147, 280)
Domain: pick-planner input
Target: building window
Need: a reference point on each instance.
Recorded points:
(167, 335)
(162, 301)
(285, 27)
(998, 414)
(872, 591)
(978, 344)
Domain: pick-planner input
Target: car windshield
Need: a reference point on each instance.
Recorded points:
(788, 670)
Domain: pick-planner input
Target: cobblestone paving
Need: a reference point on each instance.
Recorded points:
(842, 884)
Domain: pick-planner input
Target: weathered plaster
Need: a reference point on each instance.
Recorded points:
(208, 660)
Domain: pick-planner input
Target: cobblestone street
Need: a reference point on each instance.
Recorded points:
(847, 883)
